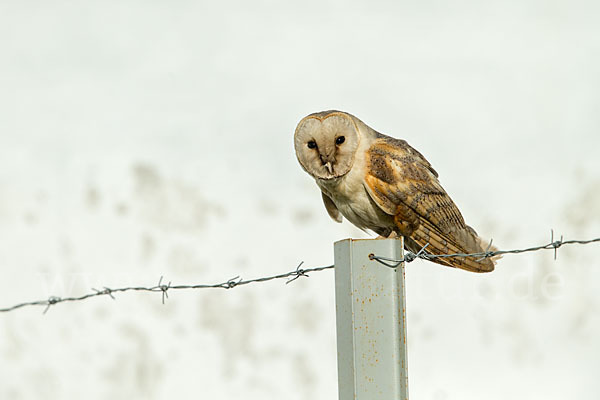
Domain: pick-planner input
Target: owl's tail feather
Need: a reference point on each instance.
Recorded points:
(463, 241)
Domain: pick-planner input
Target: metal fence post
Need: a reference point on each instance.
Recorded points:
(370, 321)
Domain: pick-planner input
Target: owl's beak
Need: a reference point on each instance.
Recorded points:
(329, 167)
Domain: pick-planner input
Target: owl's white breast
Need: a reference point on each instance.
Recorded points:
(352, 200)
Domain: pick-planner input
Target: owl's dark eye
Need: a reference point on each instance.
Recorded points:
(340, 140)
(312, 144)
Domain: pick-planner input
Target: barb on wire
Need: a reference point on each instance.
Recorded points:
(231, 283)
(297, 274)
(410, 256)
(555, 244)
(106, 290)
(165, 288)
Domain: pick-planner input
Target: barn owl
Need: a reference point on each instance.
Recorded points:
(382, 184)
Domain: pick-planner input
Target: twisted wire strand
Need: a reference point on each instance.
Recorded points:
(165, 288)
(409, 256)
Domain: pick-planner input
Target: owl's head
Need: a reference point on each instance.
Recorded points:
(326, 142)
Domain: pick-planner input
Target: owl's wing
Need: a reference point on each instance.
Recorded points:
(403, 184)
(332, 210)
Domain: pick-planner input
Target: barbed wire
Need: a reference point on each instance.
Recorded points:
(291, 276)
(409, 256)
(164, 288)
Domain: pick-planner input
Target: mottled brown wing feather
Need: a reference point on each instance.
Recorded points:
(403, 184)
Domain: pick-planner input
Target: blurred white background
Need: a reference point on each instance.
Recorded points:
(148, 138)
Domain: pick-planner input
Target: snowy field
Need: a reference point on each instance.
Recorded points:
(140, 139)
